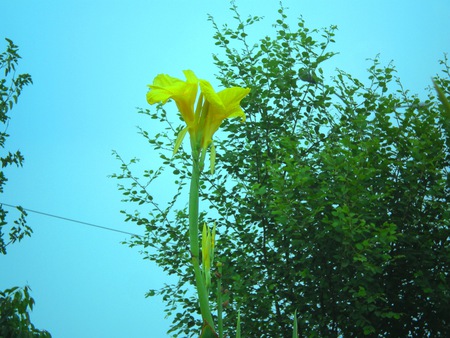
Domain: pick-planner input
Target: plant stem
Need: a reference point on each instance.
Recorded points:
(219, 301)
(193, 209)
(194, 242)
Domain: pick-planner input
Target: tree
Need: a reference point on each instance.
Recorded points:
(15, 303)
(10, 89)
(331, 200)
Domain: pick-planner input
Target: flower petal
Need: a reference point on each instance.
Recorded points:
(163, 88)
(222, 105)
(210, 95)
(231, 100)
(184, 93)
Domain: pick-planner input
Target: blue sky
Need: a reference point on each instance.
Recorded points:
(90, 62)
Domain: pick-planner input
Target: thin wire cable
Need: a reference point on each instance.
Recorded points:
(72, 220)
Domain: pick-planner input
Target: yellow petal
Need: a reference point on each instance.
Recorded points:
(163, 88)
(222, 105)
(184, 93)
(231, 100)
(210, 95)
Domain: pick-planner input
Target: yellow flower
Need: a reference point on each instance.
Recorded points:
(222, 105)
(184, 93)
(211, 109)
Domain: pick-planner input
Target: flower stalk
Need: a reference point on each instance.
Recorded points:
(202, 121)
(194, 248)
(219, 299)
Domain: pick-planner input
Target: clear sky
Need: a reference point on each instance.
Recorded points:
(90, 62)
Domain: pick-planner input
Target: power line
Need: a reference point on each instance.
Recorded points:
(72, 220)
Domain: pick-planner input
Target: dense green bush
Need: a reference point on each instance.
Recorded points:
(15, 305)
(331, 200)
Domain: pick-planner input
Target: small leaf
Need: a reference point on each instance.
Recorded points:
(180, 138)
(295, 331)
(238, 326)
(212, 158)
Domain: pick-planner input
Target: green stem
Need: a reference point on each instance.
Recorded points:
(194, 242)
(193, 209)
(219, 300)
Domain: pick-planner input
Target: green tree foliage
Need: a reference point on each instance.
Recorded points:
(10, 89)
(331, 201)
(15, 303)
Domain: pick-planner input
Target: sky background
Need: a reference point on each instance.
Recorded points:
(90, 62)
